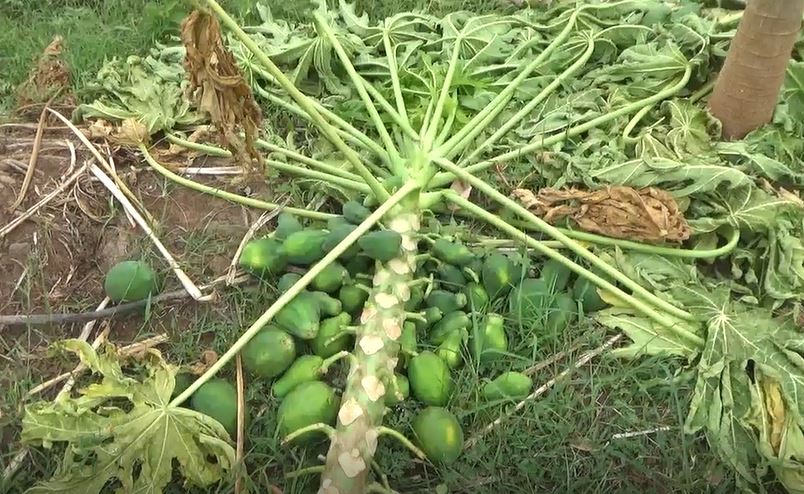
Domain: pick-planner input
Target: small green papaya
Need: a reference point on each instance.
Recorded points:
(269, 352)
(530, 299)
(263, 257)
(561, 313)
(352, 298)
(398, 390)
(489, 339)
(286, 281)
(358, 265)
(416, 297)
(337, 221)
(446, 301)
(452, 252)
(217, 398)
(476, 297)
(331, 278)
(355, 212)
(331, 337)
(301, 316)
(305, 247)
(307, 404)
(586, 291)
(429, 377)
(407, 340)
(306, 368)
(438, 433)
(286, 223)
(183, 380)
(497, 275)
(431, 316)
(555, 274)
(449, 350)
(329, 306)
(451, 278)
(128, 281)
(511, 385)
(336, 236)
(452, 321)
(382, 245)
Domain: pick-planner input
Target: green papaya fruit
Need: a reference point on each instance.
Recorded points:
(307, 404)
(301, 316)
(407, 340)
(217, 398)
(336, 236)
(511, 385)
(183, 380)
(438, 433)
(352, 298)
(431, 316)
(476, 297)
(398, 390)
(555, 274)
(306, 368)
(286, 281)
(337, 221)
(497, 275)
(452, 321)
(416, 297)
(355, 212)
(358, 265)
(331, 337)
(263, 257)
(489, 339)
(382, 245)
(305, 247)
(449, 350)
(529, 301)
(331, 278)
(269, 352)
(286, 223)
(561, 313)
(452, 252)
(446, 301)
(329, 306)
(586, 291)
(429, 377)
(128, 281)
(451, 278)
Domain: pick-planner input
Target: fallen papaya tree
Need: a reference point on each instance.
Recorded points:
(414, 110)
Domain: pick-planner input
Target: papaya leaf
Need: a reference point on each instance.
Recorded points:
(744, 346)
(133, 442)
(647, 336)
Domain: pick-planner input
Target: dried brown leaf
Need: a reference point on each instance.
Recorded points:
(220, 89)
(649, 214)
(49, 80)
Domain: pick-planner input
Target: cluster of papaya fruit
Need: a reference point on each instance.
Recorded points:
(461, 300)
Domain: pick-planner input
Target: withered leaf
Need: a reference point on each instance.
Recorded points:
(219, 87)
(648, 214)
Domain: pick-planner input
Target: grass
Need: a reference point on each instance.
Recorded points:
(562, 442)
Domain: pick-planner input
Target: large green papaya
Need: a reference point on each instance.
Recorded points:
(429, 377)
(330, 279)
(269, 352)
(263, 257)
(452, 252)
(332, 337)
(306, 368)
(308, 403)
(352, 298)
(286, 223)
(497, 275)
(555, 274)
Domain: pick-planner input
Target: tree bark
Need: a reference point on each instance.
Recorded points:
(747, 88)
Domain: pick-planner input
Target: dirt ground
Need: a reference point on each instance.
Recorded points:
(54, 262)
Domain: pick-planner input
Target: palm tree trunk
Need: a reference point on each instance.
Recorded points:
(747, 88)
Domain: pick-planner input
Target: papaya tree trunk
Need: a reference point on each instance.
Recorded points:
(375, 358)
(747, 88)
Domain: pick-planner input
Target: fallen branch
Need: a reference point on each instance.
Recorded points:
(585, 358)
(117, 310)
(37, 144)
